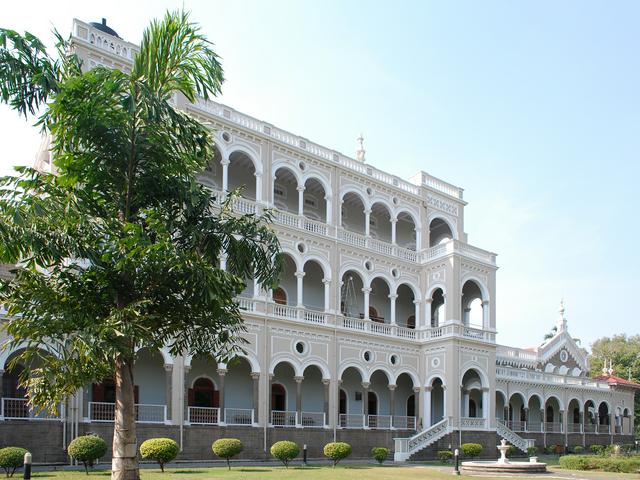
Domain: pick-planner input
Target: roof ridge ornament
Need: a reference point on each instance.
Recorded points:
(561, 324)
(360, 151)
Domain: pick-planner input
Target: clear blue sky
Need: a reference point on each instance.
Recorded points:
(532, 107)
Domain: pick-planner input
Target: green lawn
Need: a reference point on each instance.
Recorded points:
(347, 472)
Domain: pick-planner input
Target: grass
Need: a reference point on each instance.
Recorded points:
(346, 472)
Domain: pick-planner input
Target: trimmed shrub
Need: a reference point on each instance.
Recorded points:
(471, 450)
(162, 450)
(11, 458)
(597, 449)
(551, 449)
(337, 451)
(512, 451)
(605, 464)
(531, 451)
(227, 448)
(578, 449)
(285, 451)
(87, 449)
(380, 454)
(445, 456)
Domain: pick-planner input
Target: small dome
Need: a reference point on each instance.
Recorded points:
(103, 27)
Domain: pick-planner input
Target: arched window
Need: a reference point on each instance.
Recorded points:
(203, 394)
(278, 398)
(280, 296)
(473, 409)
(549, 414)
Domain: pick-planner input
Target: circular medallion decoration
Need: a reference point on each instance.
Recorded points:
(435, 362)
(564, 356)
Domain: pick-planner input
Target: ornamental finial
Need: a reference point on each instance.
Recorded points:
(360, 149)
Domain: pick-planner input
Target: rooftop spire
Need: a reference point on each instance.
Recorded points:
(562, 321)
(360, 151)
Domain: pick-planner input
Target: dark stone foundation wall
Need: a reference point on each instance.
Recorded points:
(44, 440)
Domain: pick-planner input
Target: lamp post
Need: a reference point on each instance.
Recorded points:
(456, 456)
(27, 466)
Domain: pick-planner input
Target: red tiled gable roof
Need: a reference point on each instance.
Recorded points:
(617, 381)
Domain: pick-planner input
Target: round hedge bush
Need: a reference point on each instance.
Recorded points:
(11, 458)
(87, 449)
(162, 450)
(578, 449)
(471, 449)
(285, 451)
(337, 451)
(531, 451)
(380, 454)
(227, 448)
(445, 455)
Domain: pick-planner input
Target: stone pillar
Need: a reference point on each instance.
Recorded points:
(506, 415)
(419, 421)
(543, 419)
(327, 294)
(255, 378)
(416, 304)
(221, 416)
(366, 291)
(299, 278)
(465, 402)
(258, 187)
(563, 421)
(394, 222)
(365, 403)
(270, 396)
(418, 240)
(392, 298)
(300, 199)
(427, 407)
(486, 406)
(85, 401)
(168, 387)
(392, 402)
(327, 383)
(299, 399)
(328, 204)
(428, 321)
(367, 225)
(225, 174)
(185, 385)
(485, 314)
(526, 418)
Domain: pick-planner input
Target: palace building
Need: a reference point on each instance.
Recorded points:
(382, 331)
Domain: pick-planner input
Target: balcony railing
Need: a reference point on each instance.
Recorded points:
(590, 428)
(604, 429)
(457, 329)
(382, 422)
(145, 413)
(473, 423)
(351, 420)
(553, 427)
(517, 426)
(204, 415)
(18, 409)
(281, 418)
(404, 422)
(312, 419)
(238, 416)
(574, 428)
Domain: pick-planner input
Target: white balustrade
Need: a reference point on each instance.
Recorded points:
(19, 409)
(405, 447)
(285, 311)
(245, 303)
(348, 420)
(574, 428)
(204, 415)
(281, 418)
(314, 317)
(404, 422)
(238, 416)
(145, 413)
(382, 422)
(553, 427)
(312, 419)
(473, 423)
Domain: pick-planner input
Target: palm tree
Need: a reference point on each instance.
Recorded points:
(118, 250)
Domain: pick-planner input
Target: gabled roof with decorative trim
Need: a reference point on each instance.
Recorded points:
(615, 381)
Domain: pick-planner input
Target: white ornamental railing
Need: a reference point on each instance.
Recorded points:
(513, 438)
(145, 413)
(19, 409)
(351, 420)
(238, 416)
(312, 419)
(574, 428)
(473, 423)
(405, 447)
(281, 418)
(404, 422)
(204, 415)
(380, 422)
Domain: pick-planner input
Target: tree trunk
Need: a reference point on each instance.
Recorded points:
(124, 465)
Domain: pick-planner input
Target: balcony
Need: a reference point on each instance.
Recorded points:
(19, 409)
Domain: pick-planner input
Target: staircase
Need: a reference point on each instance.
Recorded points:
(405, 447)
(513, 438)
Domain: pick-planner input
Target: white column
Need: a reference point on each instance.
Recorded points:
(258, 187)
(418, 240)
(329, 209)
(486, 407)
(223, 262)
(225, 174)
(366, 292)
(465, 402)
(427, 313)
(416, 304)
(392, 298)
(299, 277)
(394, 222)
(327, 294)
(367, 218)
(300, 199)
(485, 314)
(427, 407)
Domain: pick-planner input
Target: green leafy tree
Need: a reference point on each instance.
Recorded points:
(227, 448)
(87, 449)
(162, 450)
(118, 251)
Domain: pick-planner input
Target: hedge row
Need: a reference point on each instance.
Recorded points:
(605, 464)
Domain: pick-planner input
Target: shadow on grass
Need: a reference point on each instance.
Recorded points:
(251, 469)
(186, 471)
